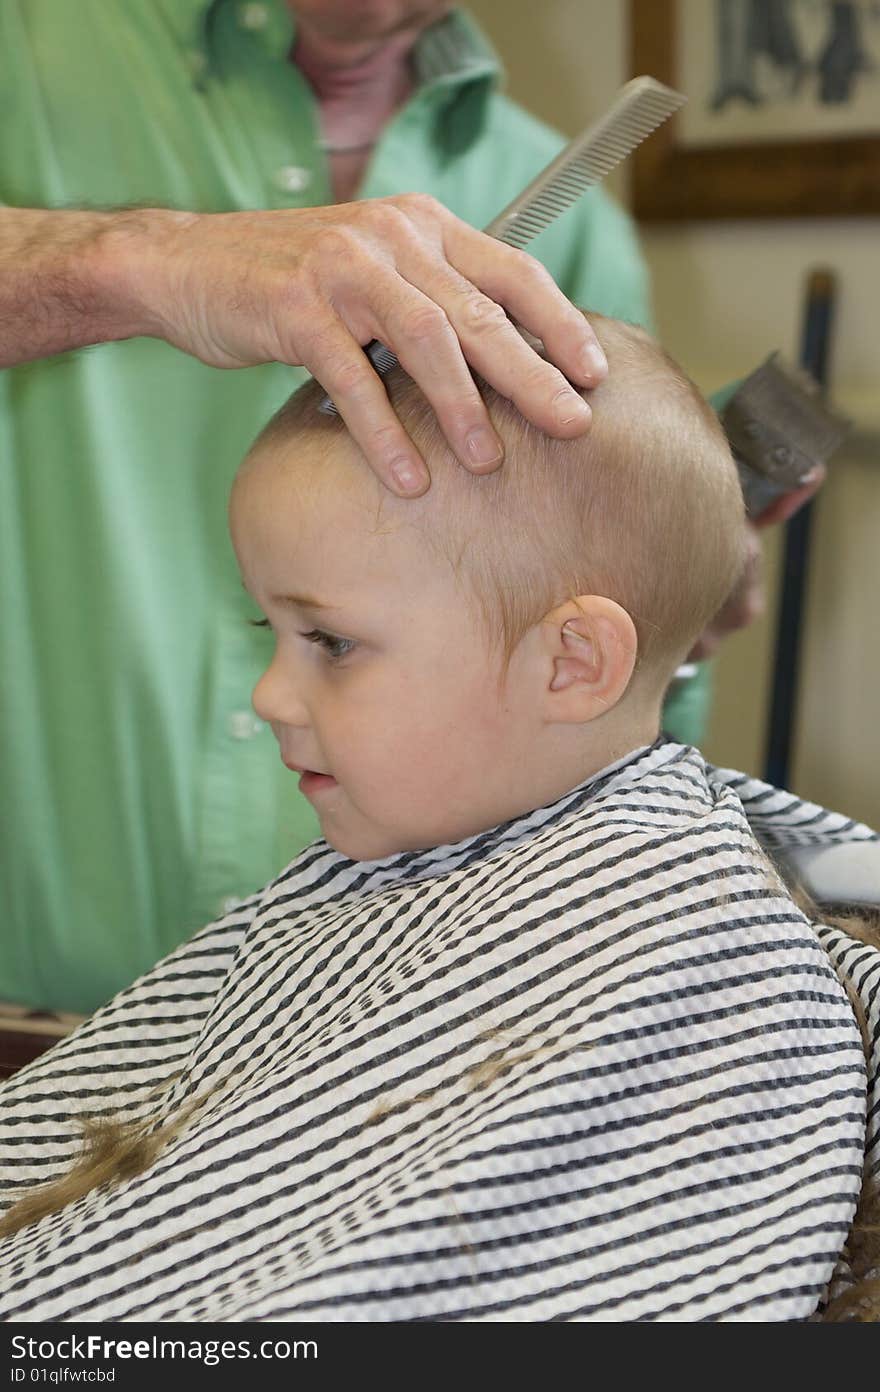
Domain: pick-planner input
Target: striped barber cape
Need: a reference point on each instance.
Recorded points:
(591, 1064)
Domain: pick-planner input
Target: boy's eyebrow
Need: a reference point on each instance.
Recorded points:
(303, 601)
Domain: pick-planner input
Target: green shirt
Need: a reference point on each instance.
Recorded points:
(139, 792)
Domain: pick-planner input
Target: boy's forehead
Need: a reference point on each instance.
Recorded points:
(311, 517)
(327, 471)
(309, 469)
(299, 453)
(318, 485)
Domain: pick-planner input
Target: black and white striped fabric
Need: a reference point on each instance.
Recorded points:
(592, 1064)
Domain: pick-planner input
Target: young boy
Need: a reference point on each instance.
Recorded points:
(534, 1031)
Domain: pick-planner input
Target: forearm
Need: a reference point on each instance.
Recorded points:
(68, 279)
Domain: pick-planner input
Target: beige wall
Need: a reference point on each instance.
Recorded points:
(726, 294)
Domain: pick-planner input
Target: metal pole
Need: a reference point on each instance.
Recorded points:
(815, 340)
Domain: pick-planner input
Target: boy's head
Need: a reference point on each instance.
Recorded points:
(452, 661)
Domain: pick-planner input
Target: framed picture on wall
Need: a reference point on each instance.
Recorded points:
(783, 110)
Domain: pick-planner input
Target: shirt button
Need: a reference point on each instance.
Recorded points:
(686, 671)
(242, 725)
(197, 62)
(292, 178)
(253, 16)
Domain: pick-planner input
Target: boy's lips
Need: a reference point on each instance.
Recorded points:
(310, 780)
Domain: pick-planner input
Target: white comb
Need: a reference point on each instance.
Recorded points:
(639, 108)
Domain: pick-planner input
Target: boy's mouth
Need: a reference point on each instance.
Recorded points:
(311, 782)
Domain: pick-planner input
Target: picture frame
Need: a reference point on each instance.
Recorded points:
(837, 175)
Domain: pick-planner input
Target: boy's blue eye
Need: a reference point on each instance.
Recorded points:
(333, 646)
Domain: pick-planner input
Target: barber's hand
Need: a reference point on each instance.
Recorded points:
(747, 600)
(311, 286)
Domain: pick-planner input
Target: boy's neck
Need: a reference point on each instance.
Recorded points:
(574, 762)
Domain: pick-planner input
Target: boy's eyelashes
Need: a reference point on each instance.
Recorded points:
(334, 646)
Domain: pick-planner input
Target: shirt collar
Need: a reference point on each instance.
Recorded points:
(454, 51)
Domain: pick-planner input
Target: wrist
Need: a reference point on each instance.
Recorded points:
(129, 268)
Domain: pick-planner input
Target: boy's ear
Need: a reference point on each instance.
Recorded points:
(591, 643)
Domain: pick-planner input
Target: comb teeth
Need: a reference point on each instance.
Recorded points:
(639, 108)
(382, 358)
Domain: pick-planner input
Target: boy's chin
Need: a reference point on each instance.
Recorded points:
(357, 838)
(373, 845)
(363, 845)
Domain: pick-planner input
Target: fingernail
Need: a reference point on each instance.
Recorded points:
(593, 361)
(570, 408)
(483, 447)
(408, 476)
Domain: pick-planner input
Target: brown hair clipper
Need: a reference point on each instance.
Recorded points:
(779, 430)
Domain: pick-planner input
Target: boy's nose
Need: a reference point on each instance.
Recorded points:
(277, 698)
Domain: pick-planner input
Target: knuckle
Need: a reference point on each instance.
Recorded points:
(529, 268)
(384, 441)
(469, 407)
(333, 250)
(347, 376)
(541, 378)
(481, 315)
(461, 418)
(386, 219)
(421, 205)
(424, 322)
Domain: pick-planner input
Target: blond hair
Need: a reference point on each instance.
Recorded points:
(646, 508)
